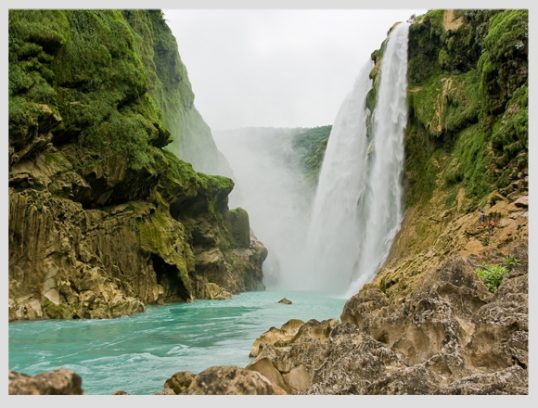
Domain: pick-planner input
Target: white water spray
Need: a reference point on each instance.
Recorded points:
(358, 206)
(333, 235)
(271, 187)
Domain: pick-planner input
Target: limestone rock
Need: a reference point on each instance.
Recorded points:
(447, 336)
(220, 380)
(56, 382)
(274, 335)
(215, 292)
(179, 383)
(522, 202)
(265, 367)
(285, 301)
(298, 379)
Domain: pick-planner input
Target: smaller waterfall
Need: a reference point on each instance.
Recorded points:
(357, 210)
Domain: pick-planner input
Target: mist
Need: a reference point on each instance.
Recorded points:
(276, 68)
(271, 186)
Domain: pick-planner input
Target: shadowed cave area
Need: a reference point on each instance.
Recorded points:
(168, 278)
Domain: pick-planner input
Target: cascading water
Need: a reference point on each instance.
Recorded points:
(332, 238)
(357, 210)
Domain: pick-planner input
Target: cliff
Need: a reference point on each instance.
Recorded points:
(103, 218)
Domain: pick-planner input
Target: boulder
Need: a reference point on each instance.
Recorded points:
(265, 367)
(213, 291)
(220, 380)
(56, 382)
(274, 335)
(179, 382)
(285, 301)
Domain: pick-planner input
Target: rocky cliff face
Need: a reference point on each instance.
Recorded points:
(102, 218)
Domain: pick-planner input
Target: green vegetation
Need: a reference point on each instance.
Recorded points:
(310, 145)
(491, 275)
(118, 92)
(468, 163)
(511, 262)
(503, 65)
(420, 171)
(444, 104)
(467, 101)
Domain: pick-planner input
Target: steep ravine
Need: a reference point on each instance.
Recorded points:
(103, 218)
(426, 323)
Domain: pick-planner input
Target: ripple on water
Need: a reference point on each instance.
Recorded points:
(138, 353)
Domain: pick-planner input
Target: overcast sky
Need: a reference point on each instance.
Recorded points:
(283, 68)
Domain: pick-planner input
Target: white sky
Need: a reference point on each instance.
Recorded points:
(283, 68)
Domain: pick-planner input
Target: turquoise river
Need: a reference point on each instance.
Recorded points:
(138, 353)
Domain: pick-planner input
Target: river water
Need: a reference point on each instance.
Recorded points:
(138, 353)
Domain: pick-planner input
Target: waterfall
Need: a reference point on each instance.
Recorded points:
(332, 238)
(357, 209)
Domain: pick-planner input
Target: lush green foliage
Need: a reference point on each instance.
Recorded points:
(310, 145)
(419, 166)
(503, 66)
(491, 275)
(119, 90)
(468, 92)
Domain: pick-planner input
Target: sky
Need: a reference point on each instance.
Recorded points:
(281, 68)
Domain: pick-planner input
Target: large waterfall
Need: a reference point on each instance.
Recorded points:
(358, 205)
(335, 238)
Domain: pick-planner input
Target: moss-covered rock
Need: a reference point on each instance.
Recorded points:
(104, 217)
(467, 81)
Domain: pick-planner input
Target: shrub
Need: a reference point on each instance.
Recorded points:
(511, 262)
(491, 275)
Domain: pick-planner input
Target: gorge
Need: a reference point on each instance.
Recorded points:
(120, 210)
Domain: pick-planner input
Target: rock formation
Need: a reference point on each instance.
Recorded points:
(219, 381)
(444, 334)
(103, 219)
(95, 233)
(56, 382)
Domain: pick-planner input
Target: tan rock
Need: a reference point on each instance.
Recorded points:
(266, 368)
(220, 380)
(522, 202)
(298, 379)
(274, 335)
(56, 382)
(215, 292)
(179, 383)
